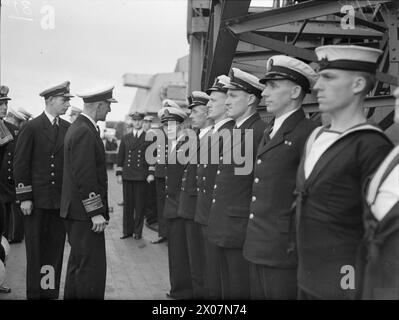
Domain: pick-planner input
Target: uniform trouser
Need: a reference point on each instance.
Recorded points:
(44, 242)
(87, 266)
(235, 274)
(179, 263)
(162, 221)
(272, 283)
(13, 222)
(195, 248)
(151, 203)
(213, 279)
(134, 199)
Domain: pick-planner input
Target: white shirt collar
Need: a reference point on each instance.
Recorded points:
(239, 123)
(278, 122)
(203, 131)
(50, 117)
(140, 131)
(220, 124)
(91, 120)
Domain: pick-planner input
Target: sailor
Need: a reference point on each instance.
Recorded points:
(232, 192)
(38, 172)
(336, 162)
(273, 264)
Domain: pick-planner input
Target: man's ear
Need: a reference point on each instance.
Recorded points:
(296, 91)
(359, 84)
(251, 99)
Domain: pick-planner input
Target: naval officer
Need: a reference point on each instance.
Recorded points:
(38, 172)
(84, 203)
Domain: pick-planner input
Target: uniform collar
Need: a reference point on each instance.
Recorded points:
(50, 117)
(278, 122)
(221, 123)
(91, 120)
(240, 123)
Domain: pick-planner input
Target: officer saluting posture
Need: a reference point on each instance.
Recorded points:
(229, 213)
(336, 161)
(380, 278)
(38, 164)
(206, 173)
(84, 204)
(268, 242)
(133, 170)
(179, 265)
(188, 196)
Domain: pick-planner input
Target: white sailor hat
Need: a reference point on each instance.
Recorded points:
(197, 98)
(241, 80)
(60, 90)
(4, 90)
(26, 114)
(97, 95)
(75, 110)
(171, 111)
(348, 57)
(148, 118)
(219, 84)
(135, 115)
(282, 67)
(20, 113)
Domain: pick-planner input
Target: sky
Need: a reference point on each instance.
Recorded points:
(90, 43)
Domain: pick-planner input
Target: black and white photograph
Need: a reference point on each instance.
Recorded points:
(199, 156)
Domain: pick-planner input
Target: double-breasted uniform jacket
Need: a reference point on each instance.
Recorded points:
(206, 174)
(131, 157)
(229, 213)
(173, 180)
(158, 169)
(7, 186)
(378, 259)
(188, 189)
(268, 239)
(329, 208)
(38, 162)
(85, 183)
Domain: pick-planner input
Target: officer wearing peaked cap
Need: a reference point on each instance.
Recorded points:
(229, 212)
(198, 101)
(332, 171)
(18, 116)
(268, 246)
(74, 113)
(206, 173)
(133, 171)
(38, 173)
(84, 203)
(172, 117)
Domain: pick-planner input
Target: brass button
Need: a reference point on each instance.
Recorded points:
(218, 172)
(251, 216)
(256, 180)
(214, 200)
(259, 161)
(215, 186)
(253, 198)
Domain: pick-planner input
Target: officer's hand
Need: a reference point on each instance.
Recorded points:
(26, 207)
(99, 223)
(119, 179)
(150, 178)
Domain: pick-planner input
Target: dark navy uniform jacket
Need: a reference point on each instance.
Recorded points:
(206, 174)
(131, 157)
(85, 184)
(38, 162)
(229, 213)
(330, 208)
(7, 186)
(268, 239)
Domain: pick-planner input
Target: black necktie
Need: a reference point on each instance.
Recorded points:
(268, 131)
(98, 130)
(55, 128)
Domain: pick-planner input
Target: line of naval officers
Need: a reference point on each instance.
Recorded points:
(319, 200)
(316, 218)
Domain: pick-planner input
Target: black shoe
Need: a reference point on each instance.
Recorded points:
(137, 237)
(126, 236)
(4, 289)
(160, 240)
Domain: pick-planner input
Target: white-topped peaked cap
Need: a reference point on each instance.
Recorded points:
(282, 67)
(98, 94)
(348, 57)
(59, 90)
(220, 84)
(75, 110)
(241, 80)
(136, 115)
(171, 111)
(197, 98)
(148, 118)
